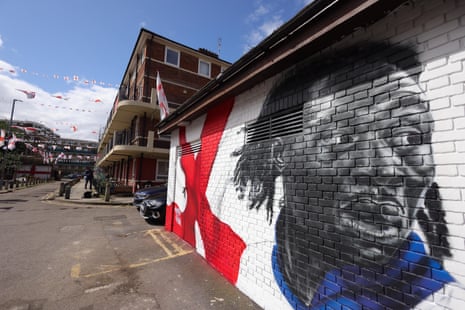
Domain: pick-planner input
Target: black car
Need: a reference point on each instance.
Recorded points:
(151, 203)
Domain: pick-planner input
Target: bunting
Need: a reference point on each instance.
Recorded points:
(66, 78)
(29, 94)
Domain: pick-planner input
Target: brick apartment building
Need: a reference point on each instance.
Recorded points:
(130, 151)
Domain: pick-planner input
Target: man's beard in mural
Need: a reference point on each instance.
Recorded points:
(356, 179)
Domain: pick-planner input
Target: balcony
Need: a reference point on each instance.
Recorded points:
(117, 141)
(123, 146)
(122, 117)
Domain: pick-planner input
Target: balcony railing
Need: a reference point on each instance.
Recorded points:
(125, 138)
(123, 95)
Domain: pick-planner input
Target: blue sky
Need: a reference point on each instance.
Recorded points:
(44, 43)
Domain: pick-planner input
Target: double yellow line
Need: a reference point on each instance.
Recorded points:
(171, 248)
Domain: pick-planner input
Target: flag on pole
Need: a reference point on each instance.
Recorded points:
(162, 102)
(2, 137)
(29, 94)
(12, 143)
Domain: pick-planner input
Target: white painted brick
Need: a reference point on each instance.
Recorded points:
(440, 103)
(446, 113)
(455, 225)
(452, 194)
(454, 214)
(443, 125)
(435, 64)
(454, 182)
(441, 71)
(457, 77)
(458, 256)
(457, 56)
(457, 243)
(455, 222)
(455, 89)
(460, 146)
(458, 100)
(457, 266)
(444, 147)
(446, 170)
(459, 123)
(438, 82)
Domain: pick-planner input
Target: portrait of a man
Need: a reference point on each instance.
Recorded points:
(360, 223)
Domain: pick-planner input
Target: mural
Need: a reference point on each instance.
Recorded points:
(196, 169)
(361, 223)
(346, 182)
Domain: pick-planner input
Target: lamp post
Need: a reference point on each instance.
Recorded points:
(3, 163)
(12, 112)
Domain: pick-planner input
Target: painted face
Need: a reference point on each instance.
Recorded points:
(369, 164)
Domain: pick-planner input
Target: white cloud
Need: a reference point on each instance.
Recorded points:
(260, 11)
(80, 109)
(262, 31)
(1, 41)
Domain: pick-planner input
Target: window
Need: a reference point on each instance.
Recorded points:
(162, 170)
(172, 57)
(204, 68)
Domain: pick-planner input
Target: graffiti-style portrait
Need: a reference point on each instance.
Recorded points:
(360, 221)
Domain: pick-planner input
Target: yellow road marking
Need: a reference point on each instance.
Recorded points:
(157, 241)
(76, 269)
(173, 244)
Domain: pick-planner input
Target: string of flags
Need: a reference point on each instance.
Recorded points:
(31, 95)
(74, 77)
(51, 157)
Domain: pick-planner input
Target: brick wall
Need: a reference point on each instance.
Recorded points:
(364, 206)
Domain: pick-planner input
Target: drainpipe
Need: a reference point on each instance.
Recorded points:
(140, 166)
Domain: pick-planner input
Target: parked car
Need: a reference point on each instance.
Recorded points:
(151, 203)
(72, 176)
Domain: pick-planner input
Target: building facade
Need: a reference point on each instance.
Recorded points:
(130, 150)
(47, 155)
(325, 169)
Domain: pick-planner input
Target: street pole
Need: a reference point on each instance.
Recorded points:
(3, 164)
(12, 112)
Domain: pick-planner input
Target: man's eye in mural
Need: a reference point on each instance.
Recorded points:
(408, 136)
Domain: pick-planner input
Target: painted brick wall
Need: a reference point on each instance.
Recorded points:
(362, 208)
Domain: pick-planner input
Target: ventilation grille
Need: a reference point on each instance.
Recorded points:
(275, 126)
(188, 148)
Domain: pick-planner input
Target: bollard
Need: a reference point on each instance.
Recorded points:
(107, 191)
(62, 189)
(67, 191)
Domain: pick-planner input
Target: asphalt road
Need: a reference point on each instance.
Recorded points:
(58, 255)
